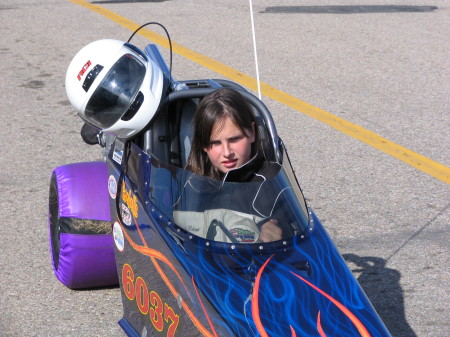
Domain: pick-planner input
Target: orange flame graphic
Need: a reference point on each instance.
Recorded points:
(319, 326)
(361, 329)
(255, 301)
(152, 253)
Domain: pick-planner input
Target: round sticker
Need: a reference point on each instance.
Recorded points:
(118, 236)
(112, 187)
(126, 215)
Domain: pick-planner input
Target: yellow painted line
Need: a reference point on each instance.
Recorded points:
(412, 158)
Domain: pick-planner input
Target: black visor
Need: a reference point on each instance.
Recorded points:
(116, 92)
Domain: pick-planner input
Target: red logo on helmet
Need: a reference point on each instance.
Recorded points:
(83, 70)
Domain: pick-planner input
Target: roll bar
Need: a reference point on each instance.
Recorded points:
(199, 88)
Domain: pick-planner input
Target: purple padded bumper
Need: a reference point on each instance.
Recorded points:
(83, 191)
(85, 260)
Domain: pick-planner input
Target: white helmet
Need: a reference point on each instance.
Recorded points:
(114, 86)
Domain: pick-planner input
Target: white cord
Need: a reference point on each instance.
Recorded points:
(254, 48)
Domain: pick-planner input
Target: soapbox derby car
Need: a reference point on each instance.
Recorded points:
(122, 221)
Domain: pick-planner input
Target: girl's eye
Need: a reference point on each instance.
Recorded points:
(235, 139)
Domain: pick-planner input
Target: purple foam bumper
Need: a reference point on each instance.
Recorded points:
(87, 261)
(83, 260)
(83, 191)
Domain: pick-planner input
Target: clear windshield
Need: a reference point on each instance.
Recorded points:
(267, 209)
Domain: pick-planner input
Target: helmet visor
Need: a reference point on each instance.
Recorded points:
(116, 92)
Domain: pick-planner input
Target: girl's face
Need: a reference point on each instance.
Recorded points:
(229, 147)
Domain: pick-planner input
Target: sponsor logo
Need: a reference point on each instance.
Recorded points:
(243, 235)
(118, 236)
(126, 215)
(83, 70)
(112, 187)
(118, 152)
(130, 200)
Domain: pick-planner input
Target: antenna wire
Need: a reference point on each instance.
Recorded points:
(254, 48)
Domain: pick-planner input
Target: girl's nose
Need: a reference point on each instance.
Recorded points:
(227, 151)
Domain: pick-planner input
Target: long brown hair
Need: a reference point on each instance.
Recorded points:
(212, 109)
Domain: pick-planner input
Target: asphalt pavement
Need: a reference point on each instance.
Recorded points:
(384, 68)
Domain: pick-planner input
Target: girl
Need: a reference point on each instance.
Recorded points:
(224, 145)
(225, 134)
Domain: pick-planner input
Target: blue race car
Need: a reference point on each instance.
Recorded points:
(184, 248)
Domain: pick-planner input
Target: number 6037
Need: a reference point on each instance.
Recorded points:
(149, 302)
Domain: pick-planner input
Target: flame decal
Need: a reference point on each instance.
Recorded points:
(204, 310)
(257, 319)
(255, 301)
(319, 326)
(293, 333)
(361, 329)
(152, 253)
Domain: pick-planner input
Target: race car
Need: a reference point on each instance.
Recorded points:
(124, 221)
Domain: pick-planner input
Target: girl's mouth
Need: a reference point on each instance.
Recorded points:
(229, 163)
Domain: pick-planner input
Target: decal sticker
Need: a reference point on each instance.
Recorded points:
(112, 187)
(118, 237)
(83, 70)
(162, 315)
(130, 199)
(118, 152)
(243, 234)
(126, 215)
